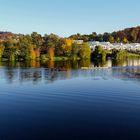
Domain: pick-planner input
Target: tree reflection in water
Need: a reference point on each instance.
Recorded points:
(50, 71)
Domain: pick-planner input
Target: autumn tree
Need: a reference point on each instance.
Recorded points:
(67, 47)
(118, 40)
(111, 39)
(51, 53)
(32, 53)
(125, 41)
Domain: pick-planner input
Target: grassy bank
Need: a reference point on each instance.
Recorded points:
(133, 55)
(60, 58)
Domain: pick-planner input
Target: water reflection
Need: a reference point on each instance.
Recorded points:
(69, 65)
(49, 72)
(66, 98)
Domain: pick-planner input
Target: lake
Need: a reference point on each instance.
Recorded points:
(61, 101)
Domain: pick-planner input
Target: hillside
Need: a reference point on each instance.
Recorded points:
(128, 35)
(132, 34)
(4, 35)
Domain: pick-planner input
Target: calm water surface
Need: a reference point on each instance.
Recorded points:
(63, 102)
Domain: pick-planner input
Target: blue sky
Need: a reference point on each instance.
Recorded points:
(66, 17)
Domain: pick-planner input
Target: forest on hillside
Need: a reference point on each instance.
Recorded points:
(128, 35)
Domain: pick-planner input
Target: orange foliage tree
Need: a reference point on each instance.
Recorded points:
(37, 51)
(51, 53)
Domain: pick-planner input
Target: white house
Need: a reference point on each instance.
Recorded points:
(110, 46)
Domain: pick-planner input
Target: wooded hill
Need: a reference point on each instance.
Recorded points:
(128, 35)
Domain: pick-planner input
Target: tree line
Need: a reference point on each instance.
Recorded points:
(51, 47)
(38, 47)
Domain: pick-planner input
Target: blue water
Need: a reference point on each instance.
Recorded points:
(47, 104)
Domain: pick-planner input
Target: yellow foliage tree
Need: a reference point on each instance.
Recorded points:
(32, 53)
(125, 40)
(67, 46)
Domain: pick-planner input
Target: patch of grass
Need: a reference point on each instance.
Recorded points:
(133, 55)
(4, 59)
(62, 58)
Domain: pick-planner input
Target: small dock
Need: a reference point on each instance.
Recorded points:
(93, 68)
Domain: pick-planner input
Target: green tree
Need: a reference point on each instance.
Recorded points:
(85, 51)
(118, 54)
(99, 53)
(25, 46)
(11, 50)
(51, 41)
(37, 39)
(1, 49)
